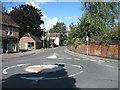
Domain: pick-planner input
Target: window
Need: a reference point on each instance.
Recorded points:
(30, 44)
(9, 31)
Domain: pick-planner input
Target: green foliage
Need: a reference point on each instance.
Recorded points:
(77, 42)
(60, 27)
(96, 22)
(89, 26)
(29, 19)
(112, 35)
(105, 11)
(72, 34)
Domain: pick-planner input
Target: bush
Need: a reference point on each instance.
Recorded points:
(77, 42)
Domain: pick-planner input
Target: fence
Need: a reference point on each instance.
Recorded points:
(110, 50)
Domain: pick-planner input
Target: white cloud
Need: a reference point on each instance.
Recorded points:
(33, 4)
(70, 18)
(9, 10)
(57, 0)
(47, 0)
(48, 22)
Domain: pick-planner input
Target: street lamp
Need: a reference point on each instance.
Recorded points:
(87, 45)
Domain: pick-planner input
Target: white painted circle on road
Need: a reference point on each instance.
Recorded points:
(18, 65)
(45, 78)
(43, 68)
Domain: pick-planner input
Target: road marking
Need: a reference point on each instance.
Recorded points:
(77, 66)
(76, 59)
(68, 58)
(44, 78)
(109, 66)
(93, 60)
(101, 61)
(52, 56)
(32, 78)
(18, 65)
(60, 58)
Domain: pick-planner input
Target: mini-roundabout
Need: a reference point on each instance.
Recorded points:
(45, 72)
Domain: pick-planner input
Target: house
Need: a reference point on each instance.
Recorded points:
(29, 41)
(55, 37)
(9, 35)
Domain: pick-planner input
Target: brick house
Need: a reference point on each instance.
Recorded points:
(9, 35)
(28, 41)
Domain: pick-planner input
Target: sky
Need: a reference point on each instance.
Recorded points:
(53, 12)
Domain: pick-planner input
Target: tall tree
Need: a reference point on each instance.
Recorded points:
(107, 11)
(72, 34)
(97, 17)
(29, 19)
(60, 27)
(90, 26)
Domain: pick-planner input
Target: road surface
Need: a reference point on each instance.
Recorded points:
(80, 72)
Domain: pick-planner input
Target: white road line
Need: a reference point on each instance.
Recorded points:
(68, 58)
(18, 65)
(77, 66)
(101, 61)
(43, 78)
(93, 60)
(109, 66)
(60, 58)
(76, 59)
(75, 74)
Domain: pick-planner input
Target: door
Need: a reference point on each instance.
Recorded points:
(26, 45)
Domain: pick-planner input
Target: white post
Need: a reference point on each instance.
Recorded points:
(48, 39)
(87, 44)
(43, 36)
(7, 48)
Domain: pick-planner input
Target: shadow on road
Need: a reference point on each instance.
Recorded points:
(15, 81)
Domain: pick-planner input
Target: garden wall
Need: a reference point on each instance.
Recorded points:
(111, 50)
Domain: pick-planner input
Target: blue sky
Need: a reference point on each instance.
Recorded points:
(53, 12)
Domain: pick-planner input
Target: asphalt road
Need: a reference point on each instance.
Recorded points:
(80, 72)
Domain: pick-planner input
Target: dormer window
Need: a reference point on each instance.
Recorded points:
(9, 31)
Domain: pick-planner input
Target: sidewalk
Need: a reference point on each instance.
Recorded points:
(91, 57)
(21, 54)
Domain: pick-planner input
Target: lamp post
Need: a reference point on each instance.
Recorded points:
(87, 45)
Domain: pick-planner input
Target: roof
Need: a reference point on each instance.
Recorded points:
(33, 37)
(53, 34)
(7, 20)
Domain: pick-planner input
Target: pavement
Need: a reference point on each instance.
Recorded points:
(21, 54)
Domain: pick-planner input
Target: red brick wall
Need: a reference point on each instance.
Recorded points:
(26, 39)
(98, 49)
